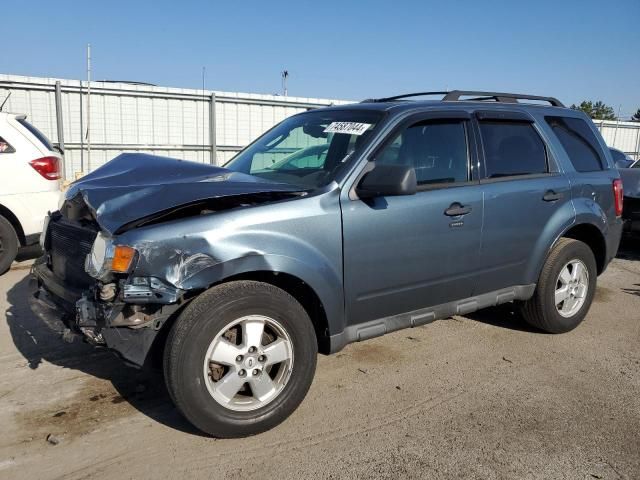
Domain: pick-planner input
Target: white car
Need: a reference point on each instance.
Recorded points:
(30, 171)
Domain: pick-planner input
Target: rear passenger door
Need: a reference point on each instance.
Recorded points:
(524, 192)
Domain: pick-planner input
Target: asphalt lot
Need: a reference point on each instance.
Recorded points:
(481, 396)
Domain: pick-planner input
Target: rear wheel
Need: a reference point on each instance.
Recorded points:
(565, 288)
(8, 244)
(240, 358)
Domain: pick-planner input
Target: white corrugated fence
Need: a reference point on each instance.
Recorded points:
(624, 136)
(200, 125)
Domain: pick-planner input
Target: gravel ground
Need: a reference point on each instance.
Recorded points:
(481, 396)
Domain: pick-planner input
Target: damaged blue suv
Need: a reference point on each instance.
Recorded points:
(338, 225)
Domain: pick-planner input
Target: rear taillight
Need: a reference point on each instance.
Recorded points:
(617, 196)
(48, 167)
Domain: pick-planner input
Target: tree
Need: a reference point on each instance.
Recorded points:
(636, 116)
(596, 110)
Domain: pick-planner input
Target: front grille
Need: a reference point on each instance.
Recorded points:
(69, 246)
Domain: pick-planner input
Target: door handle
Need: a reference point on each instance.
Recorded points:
(551, 196)
(456, 209)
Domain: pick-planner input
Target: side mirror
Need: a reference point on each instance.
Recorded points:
(388, 180)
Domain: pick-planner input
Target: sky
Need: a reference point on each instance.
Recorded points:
(571, 49)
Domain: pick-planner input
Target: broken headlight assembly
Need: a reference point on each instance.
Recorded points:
(107, 257)
(150, 290)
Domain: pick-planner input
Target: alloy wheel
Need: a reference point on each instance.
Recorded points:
(571, 288)
(248, 363)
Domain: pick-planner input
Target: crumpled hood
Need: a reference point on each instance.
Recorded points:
(630, 181)
(134, 186)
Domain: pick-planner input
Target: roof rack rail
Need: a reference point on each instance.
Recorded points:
(455, 95)
(479, 96)
(400, 97)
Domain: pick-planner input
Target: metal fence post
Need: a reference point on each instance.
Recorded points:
(260, 116)
(59, 126)
(212, 129)
(81, 132)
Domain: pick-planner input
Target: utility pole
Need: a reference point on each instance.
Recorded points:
(88, 107)
(615, 132)
(285, 75)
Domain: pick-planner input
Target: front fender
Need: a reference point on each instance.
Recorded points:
(302, 240)
(196, 270)
(322, 279)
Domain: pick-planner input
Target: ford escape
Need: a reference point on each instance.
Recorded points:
(338, 225)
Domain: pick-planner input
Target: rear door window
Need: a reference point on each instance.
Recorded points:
(579, 142)
(36, 133)
(512, 148)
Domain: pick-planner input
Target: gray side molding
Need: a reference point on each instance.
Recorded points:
(382, 326)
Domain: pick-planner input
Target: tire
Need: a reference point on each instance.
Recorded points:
(568, 256)
(221, 316)
(8, 244)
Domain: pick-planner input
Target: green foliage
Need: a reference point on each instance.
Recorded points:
(596, 110)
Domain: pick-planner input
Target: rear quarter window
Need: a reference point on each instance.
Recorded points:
(5, 147)
(579, 141)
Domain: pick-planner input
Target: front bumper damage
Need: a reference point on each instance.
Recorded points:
(128, 324)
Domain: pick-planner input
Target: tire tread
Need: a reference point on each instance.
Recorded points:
(537, 311)
(186, 326)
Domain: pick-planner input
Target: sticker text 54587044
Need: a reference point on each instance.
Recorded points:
(350, 128)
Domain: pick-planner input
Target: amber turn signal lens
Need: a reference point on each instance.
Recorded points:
(122, 258)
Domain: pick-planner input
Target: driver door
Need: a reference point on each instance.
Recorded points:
(404, 253)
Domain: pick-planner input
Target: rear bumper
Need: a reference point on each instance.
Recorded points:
(72, 313)
(31, 208)
(612, 241)
(631, 228)
(631, 217)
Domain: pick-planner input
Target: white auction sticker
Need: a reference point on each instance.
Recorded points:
(350, 128)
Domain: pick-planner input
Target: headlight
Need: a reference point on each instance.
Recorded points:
(98, 262)
(107, 257)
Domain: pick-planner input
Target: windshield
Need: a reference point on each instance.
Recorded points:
(309, 149)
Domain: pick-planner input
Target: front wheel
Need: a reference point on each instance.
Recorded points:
(565, 288)
(240, 358)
